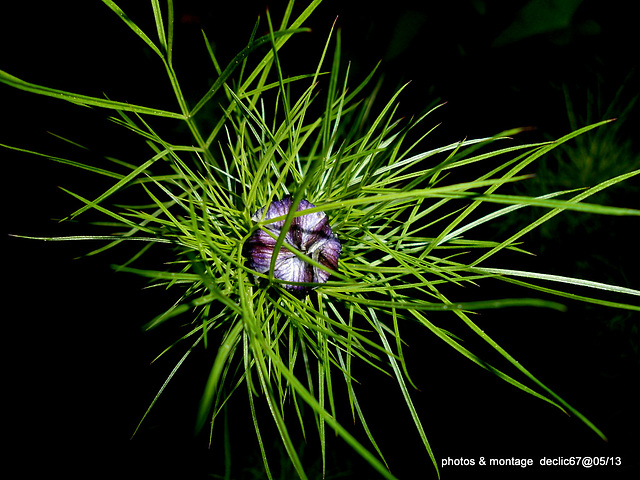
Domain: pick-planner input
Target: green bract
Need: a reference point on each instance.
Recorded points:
(407, 232)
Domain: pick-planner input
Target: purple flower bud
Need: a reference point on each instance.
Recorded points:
(310, 234)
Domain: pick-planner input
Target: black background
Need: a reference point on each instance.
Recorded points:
(77, 368)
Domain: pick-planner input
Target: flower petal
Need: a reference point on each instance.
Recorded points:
(310, 228)
(327, 255)
(293, 269)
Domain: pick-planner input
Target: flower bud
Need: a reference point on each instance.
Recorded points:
(310, 234)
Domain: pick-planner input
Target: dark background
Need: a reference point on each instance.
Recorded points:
(77, 368)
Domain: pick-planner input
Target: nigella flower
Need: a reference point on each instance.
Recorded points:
(310, 234)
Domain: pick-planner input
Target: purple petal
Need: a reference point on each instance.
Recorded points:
(293, 269)
(309, 229)
(277, 208)
(260, 258)
(327, 255)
